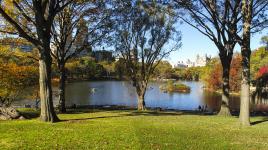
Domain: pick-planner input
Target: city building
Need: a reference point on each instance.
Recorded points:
(190, 63)
(180, 64)
(200, 61)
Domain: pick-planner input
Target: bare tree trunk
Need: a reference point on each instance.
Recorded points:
(225, 110)
(62, 107)
(245, 87)
(47, 110)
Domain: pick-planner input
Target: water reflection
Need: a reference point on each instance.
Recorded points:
(123, 93)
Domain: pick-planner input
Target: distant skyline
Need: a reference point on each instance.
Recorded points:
(194, 43)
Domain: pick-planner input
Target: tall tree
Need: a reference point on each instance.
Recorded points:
(143, 30)
(217, 20)
(34, 22)
(254, 19)
(77, 28)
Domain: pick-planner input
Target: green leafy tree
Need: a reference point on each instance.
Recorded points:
(142, 31)
(258, 59)
(163, 70)
(264, 41)
(120, 68)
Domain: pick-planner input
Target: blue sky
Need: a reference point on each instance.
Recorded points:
(193, 43)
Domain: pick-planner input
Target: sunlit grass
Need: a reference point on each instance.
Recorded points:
(134, 130)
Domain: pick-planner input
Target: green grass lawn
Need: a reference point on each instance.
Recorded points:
(102, 129)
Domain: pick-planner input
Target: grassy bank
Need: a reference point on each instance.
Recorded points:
(101, 129)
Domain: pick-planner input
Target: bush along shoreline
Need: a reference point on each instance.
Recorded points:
(176, 87)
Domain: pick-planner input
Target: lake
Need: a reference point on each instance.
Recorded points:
(123, 93)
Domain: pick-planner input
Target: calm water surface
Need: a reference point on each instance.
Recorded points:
(123, 93)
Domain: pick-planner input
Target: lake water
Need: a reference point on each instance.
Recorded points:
(123, 93)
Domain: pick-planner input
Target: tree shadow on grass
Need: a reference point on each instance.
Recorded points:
(153, 113)
(30, 114)
(33, 114)
(128, 113)
(89, 118)
(259, 121)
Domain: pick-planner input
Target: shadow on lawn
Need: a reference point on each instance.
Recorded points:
(128, 113)
(90, 118)
(259, 121)
(32, 114)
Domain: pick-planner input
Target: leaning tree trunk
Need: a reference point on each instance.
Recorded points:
(245, 85)
(62, 107)
(47, 110)
(225, 110)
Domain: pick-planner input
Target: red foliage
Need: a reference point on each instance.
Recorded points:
(214, 81)
(263, 70)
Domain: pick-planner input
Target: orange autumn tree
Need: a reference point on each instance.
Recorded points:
(15, 77)
(214, 80)
(235, 73)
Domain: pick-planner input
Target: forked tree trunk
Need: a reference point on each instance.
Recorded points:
(225, 110)
(245, 87)
(62, 107)
(47, 110)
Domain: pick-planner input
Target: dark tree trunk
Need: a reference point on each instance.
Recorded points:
(226, 63)
(47, 110)
(62, 107)
(225, 110)
(245, 85)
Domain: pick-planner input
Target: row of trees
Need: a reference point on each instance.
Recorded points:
(58, 29)
(213, 70)
(141, 30)
(226, 23)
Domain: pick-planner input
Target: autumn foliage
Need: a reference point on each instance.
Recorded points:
(15, 75)
(14, 79)
(235, 73)
(262, 71)
(214, 79)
